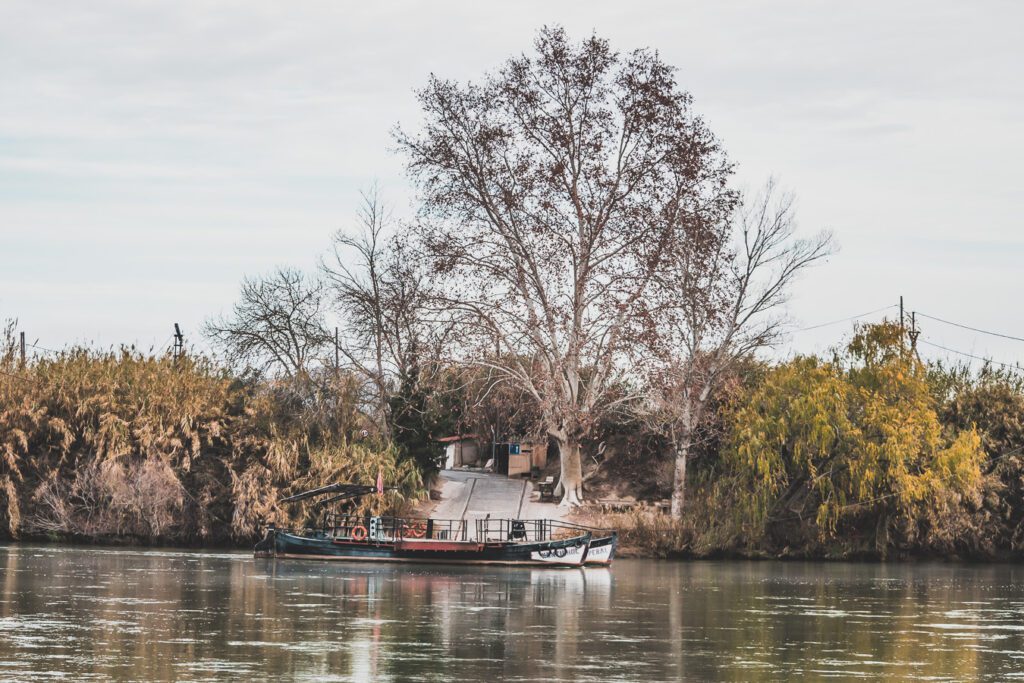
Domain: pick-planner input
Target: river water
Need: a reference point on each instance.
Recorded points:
(82, 613)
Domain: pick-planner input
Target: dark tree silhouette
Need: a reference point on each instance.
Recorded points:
(277, 324)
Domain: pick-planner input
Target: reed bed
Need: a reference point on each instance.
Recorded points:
(140, 446)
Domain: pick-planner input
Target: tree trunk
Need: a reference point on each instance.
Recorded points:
(570, 484)
(679, 478)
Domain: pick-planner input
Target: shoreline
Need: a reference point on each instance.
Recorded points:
(625, 551)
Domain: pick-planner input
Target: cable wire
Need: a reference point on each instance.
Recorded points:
(163, 347)
(970, 355)
(43, 348)
(968, 327)
(852, 317)
(23, 379)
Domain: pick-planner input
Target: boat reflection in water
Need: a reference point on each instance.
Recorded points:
(449, 613)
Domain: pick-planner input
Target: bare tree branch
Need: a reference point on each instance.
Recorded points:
(277, 326)
(554, 194)
(722, 310)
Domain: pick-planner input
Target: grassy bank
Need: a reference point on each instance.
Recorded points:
(124, 445)
(651, 535)
(868, 454)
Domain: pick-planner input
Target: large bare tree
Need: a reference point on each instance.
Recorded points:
(553, 193)
(723, 307)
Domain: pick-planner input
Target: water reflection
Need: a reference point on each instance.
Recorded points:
(84, 612)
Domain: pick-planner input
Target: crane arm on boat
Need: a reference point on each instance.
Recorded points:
(342, 491)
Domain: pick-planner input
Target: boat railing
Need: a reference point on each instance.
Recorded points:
(488, 530)
(395, 528)
(526, 530)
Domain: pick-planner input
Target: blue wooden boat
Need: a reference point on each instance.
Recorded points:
(426, 541)
(404, 539)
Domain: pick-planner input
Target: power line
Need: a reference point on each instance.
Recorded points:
(968, 327)
(970, 355)
(852, 317)
(43, 348)
(164, 345)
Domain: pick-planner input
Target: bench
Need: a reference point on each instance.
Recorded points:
(547, 489)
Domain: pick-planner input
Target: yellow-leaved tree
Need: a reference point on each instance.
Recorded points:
(851, 450)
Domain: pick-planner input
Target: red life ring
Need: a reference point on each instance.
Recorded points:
(359, 533)
(417, 530)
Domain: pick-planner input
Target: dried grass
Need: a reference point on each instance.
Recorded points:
(122, 443)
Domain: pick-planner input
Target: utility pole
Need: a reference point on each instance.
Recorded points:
(914, 332)
(337, 358)
(179, 343)
(22, 348)
(903, 332)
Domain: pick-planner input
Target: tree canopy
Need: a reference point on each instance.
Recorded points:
(854, 439)
(552, 194)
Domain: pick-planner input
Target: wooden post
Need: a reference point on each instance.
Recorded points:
(22, 348)
(903, 330)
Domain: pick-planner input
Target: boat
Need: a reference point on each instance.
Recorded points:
(603, 544)
(374, 538)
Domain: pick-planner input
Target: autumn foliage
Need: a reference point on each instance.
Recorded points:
(132, 445)
(853, 449)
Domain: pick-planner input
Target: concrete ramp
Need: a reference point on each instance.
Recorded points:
(475, 495)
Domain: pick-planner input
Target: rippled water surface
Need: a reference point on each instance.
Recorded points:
(85, 612)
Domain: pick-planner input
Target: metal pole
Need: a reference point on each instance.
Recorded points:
(179, 343)
(22, 348)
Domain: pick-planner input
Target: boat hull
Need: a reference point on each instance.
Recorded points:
(602, 550)
(570, 552)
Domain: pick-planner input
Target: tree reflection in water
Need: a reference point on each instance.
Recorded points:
(89, 612)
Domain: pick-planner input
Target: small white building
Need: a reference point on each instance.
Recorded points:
(512, 459)
(461, 450)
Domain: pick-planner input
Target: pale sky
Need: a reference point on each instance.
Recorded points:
(152, 154)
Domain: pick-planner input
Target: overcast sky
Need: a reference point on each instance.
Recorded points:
(152, 154)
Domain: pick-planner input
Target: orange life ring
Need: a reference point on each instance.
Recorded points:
(359, 533)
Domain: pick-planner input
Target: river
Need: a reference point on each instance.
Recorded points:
(81, 613)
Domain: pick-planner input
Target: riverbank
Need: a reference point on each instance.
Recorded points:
(645, 534)
(873, 457)
(117, 445)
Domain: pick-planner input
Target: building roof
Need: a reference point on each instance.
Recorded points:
(458, 437)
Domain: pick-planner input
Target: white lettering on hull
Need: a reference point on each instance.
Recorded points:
(601, 553)
(559, 555)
